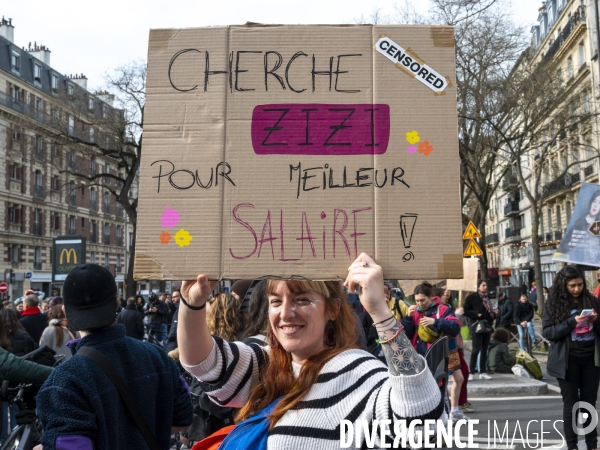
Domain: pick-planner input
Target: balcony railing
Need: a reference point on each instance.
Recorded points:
(38, 191)
(560, 184)
(557, 235)
(512, 234)
(511, 208)
(491, 238)
(37, 229)
(509, 182)
(588, 170)
(577, 17)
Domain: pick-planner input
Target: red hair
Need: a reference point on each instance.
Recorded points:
(277, 377)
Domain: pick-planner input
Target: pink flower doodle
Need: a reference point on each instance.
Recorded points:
(170, 218)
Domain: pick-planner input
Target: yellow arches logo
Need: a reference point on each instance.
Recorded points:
(68, 254)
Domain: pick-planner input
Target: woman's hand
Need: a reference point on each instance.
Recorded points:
(411, 310)
(592, 317)
(427, 321)
(460, 311)
(196, 292)
(364, 274)
(523, 324)
(581, 318)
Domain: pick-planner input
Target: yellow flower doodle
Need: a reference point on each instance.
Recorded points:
(183, 238)
(412, 137)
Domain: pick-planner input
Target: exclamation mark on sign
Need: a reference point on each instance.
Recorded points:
(407, 227)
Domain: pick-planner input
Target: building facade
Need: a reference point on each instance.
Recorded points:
(564, 41)
(42, 130)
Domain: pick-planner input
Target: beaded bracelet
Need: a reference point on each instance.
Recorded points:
(379, 323)
(392, 338)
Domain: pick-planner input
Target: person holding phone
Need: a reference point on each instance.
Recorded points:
(574, 357)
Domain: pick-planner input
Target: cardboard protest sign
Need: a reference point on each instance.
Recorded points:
(469, 280)
(285, 151)
(581, 242)
(409, 286)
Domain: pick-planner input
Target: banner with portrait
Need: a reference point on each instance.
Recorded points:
(581, 241)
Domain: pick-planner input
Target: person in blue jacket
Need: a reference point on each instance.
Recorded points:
(79, 406)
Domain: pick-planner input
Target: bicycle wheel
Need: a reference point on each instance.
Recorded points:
(22, 438)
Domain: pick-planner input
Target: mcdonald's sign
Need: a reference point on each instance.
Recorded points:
(67, 252)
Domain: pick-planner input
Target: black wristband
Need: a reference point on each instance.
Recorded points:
(194, 308)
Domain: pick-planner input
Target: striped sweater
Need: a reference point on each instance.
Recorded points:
(353, 386)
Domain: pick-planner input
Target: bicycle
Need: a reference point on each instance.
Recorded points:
(26, 435)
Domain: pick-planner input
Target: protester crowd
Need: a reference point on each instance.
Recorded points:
(275, 356)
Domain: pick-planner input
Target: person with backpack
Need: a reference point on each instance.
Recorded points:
(425, 323)
(397, 306)
(569, 323)
(115, 392)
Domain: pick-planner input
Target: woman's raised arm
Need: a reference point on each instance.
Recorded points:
(193, 337)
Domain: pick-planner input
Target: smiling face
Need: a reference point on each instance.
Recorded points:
(298, 320)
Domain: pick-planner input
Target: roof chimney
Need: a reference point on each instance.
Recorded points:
(7, 30)
(80, 79)
(40, 52)
(106, 97)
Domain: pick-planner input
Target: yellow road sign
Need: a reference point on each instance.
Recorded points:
(472, 232)
(472, 249)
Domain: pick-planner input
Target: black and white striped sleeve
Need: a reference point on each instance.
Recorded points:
(230, 371)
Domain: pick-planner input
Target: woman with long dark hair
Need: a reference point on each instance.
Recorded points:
(574, 356)
(479, 308)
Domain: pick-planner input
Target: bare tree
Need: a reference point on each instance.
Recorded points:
(113, 134)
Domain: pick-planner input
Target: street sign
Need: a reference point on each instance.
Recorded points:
(3, 288)
(471, 232)
(28, 275)
(67, 252)
(595, 229)
(472, 249)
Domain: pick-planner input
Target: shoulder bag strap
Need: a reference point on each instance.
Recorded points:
(132, 407)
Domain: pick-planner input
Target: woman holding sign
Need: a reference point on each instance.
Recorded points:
(295, 393)
(574, 357)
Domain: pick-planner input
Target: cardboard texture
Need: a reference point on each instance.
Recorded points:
(285, 151)
(469, 280)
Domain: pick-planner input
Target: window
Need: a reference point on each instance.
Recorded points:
(106, 259)
(104, 110)
(118, 211)
(16, 136)
(558, 218)
(70, 88)
(119, 235)
(107, 233)
(37, 73)
(93, 257)
(581, 53)
(585, 103)
(130, 240)
(55, 183)
(15, 253)
(72, 160)
(107, 171)
(91, 103)
(92, 231)
(92, 134)
(55, 114)
(16, 172)
(37, 258)
(559, 80)
(39, 104)
(54, 220)
(106, 203)
(550, 224)
(16, 94)
(71, 124)
(82, 191)
(118, 262)
(570, 67)
(38, 179)
(55, 153)
(55, 82)
(72, 224)
(15, 214)
(568, 210)
(92, 167)
(72, 193)
(39, 146)
(83, 223)
(15, 61)
(93, 203)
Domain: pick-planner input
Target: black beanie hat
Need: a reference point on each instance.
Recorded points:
(90, 297)
(240, 287)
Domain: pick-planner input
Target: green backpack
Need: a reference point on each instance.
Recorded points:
(530, 363)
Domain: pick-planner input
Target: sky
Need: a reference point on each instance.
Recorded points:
(92, 37)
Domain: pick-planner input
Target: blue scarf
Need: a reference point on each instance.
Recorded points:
(251, 434)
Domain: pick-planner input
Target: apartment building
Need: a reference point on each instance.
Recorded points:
(42, 126)
(564, 41)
